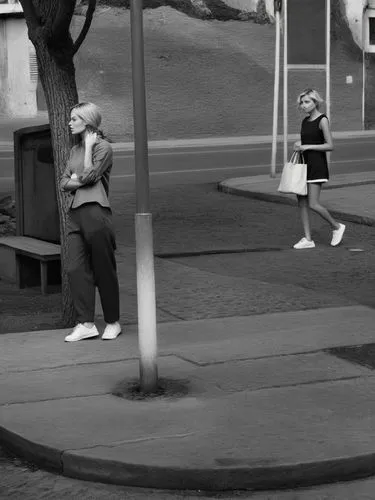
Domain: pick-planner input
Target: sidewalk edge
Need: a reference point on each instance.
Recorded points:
(276, 198)
(281, 476)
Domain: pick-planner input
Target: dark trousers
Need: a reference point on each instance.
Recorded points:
(91, 262)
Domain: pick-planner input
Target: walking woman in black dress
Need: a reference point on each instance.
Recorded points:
(316, 140)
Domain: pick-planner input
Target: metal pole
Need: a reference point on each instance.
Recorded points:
(285, 113)
(147, 336)
(328, 58)
(328, 65)
(364, 20)
(276, 89)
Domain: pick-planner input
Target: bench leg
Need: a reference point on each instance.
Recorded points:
(43, 277)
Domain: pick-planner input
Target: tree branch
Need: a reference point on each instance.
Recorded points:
(63, 18)
(86, 26)
(31, 15)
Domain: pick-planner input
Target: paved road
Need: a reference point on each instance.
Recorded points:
(212, 164)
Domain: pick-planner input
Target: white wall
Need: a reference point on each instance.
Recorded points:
(16, 86)
(354, 15)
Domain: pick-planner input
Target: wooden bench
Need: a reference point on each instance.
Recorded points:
(33, 248)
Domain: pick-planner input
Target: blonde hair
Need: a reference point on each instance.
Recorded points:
(314, 96)
(89, 113)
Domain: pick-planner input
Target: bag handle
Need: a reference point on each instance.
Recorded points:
(297, 157)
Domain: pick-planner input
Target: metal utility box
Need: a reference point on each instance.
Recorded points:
(36, 200)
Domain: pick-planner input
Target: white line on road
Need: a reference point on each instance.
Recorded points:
(239, 149)
(202, 150)
(191, 170)
(239, 167)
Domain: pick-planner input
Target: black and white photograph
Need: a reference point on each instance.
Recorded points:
(187, 249)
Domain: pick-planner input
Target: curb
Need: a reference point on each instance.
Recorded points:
(243, 476)
(285, 200)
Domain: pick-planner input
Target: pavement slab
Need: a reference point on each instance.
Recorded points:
(264, 439)
(267, 408)
(268, 335)
(95, 379)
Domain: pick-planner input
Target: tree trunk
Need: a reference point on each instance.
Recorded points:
(49, 30)
(58, 81)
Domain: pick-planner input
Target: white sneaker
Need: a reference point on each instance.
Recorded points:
(304, 243)
(337, 235)
(81, 332)
(112, 331)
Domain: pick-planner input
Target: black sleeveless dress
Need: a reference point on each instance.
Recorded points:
(317, 166)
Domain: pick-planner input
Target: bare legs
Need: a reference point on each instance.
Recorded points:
(311, 202)
(314, 204)
(305, 216)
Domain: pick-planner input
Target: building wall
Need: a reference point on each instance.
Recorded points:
(354, 14)
(353, 8)
(17, 87)
(3, 65)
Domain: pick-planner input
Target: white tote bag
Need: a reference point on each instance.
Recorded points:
(294, 176)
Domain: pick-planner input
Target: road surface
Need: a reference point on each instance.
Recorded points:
(202, 164)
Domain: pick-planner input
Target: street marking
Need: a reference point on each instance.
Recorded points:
(193, 170)
(219, 149)
(239, 167)
(197, 152)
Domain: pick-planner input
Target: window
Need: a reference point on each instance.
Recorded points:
(372, 30)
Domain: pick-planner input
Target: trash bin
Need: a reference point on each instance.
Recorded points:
(37, 213)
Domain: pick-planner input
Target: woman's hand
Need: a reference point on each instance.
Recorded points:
(90, 139)
(300, 147)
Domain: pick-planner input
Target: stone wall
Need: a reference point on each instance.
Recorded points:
(250, 5)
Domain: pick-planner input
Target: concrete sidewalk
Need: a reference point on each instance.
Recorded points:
(350, 197)
(267, 405)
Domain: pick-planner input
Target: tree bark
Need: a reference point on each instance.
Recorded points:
(61, 94)
(48, 27)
